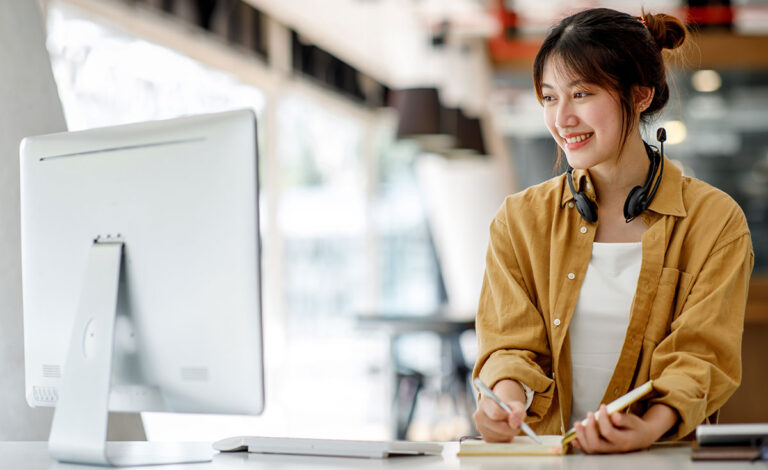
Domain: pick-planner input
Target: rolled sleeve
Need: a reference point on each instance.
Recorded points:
(518, 365)
(697, 366)
(512, 337)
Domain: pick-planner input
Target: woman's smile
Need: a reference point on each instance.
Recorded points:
(577, 112)
(576, 141)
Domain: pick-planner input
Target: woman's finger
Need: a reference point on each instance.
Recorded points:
(494, 430)
(605, 426)
(492, 409)
(516, 418)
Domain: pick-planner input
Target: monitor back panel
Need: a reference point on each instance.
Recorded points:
(183, 195)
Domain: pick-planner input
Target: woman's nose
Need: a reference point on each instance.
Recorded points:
(565, 116)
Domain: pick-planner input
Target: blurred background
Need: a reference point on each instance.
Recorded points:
(390, 132)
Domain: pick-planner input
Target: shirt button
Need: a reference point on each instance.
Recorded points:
(557, 322)
(583, 229)
(570, 204)
(571, 276)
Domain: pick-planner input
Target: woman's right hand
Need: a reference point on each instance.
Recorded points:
(495, 424)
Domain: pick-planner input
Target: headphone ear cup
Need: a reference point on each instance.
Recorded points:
(635, 203)
(586, 207)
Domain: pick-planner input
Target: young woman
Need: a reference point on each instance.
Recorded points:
(619, 271)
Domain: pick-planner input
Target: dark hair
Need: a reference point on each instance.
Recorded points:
(615, 51)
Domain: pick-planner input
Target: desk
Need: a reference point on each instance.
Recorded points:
(34, 456)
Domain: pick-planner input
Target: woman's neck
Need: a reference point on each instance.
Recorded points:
(613, 180)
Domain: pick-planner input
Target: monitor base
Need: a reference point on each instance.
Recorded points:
(127, 454)
(79, 430)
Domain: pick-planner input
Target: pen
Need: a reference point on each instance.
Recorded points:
(489, 393)
(614, 406)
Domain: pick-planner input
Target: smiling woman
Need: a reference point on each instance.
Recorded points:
(577, 52)
(579, 114)
(596, 283)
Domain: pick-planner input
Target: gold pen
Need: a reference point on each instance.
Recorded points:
(616, 405)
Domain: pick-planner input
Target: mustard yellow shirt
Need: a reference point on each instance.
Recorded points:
(686, 318)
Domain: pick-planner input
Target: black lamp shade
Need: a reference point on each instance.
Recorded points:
(418, 110)
(469, 135)
(450, 120)
(466, 130)
(438, 128)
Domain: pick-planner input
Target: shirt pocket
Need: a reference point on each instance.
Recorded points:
(673, 290)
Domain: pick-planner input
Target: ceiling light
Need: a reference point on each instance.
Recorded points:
(676, 131)
(706, 81)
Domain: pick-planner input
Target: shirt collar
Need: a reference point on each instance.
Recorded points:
(668, 199)
(582, 182)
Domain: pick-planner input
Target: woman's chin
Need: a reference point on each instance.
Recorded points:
(577, 164)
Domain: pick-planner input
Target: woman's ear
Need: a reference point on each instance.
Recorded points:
(643, 97)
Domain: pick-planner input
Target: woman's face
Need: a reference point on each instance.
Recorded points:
(584, 119)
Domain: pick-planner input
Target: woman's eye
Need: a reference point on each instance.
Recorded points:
(581, 94)
(547, 98)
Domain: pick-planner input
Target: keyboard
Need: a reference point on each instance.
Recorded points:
(326, 447)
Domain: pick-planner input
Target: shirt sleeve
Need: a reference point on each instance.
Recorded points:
(528, 395)
(697, 366)
(512, 336)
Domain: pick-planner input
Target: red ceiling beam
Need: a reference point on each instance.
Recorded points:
(508, 49)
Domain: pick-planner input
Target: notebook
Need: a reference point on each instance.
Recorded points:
(551, 444)
(522, 445)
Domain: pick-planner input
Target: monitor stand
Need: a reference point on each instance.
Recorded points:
(79, 430)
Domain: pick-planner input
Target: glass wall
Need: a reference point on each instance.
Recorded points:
(107, 77)
(331, 378)
(351, 236)
(409, 277)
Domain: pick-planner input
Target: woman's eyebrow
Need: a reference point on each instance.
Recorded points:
(577, 81)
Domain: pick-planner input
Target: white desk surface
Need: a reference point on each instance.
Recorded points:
(34, 456)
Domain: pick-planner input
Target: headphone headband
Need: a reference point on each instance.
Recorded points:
(661, 135)
(638, 198)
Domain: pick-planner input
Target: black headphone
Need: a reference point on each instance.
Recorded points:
(638, 198)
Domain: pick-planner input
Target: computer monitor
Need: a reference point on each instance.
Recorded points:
(141, 276)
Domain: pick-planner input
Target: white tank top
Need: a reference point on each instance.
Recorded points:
(600, 321)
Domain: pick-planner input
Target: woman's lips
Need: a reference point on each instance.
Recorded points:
(576, 141)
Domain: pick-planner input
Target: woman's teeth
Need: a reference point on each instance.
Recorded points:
(578, 138)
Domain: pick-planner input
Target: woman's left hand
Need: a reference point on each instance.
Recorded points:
(616, 433)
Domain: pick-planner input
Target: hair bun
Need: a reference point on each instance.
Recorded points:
(667, 31)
